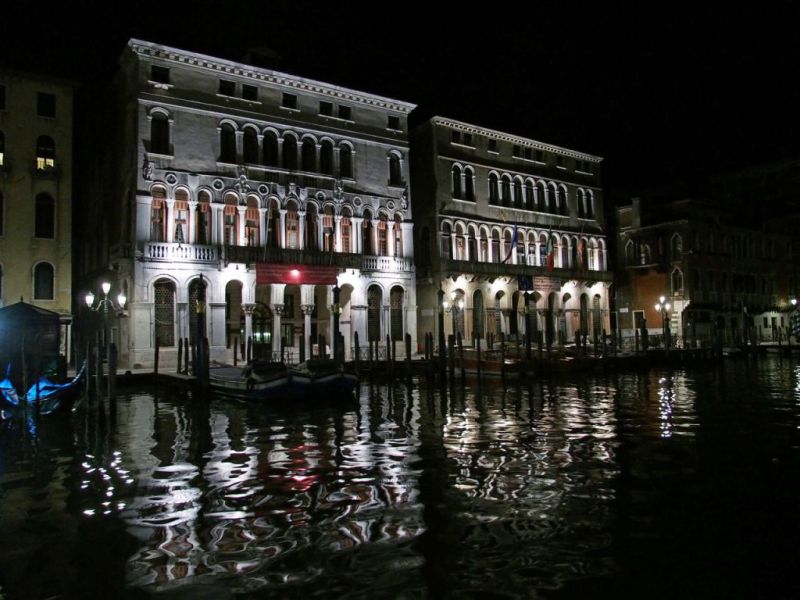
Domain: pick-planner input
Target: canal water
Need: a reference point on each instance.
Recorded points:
(657, 484)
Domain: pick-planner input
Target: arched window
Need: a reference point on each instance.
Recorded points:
(158, 215)
(505, 195)
(181, 212)
(593, 255)
(250, 146)
(345, 161)
(328, 229)
(472, 245)
(45, 219)
(292, 226)
(521, 249)
(45, 153)
(456, 181)
(630, 253)
(573, 254)
(529, 196)
(289, 152)
(273, 226)
(227, 144)
(518, 197)
(589, 204)
(270, 149)
(43, 281)
(676, 247)
(446, 244)
(561, 200)
(460, 243)
(159, 133)
(230, 219)
(326, 157)
(677, 281)
(164, 312)
(396, 316)
(581, 204)
(366, 234)
(494, 190)
(346, 232)
(496, 247)
(203, 219)
(395, 173)
(564, 252)
(469, 184)
(197, 292)
(374, 302)
(312, 228)
(252, 219)
(309, 155)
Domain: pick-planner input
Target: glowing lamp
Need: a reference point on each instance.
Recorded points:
(294, 273)
(89, 299)
(121, 300)
(106, 287)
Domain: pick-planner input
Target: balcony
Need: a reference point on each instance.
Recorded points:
(249, 254)
(166, 252)
(194, 253)
(493, 270)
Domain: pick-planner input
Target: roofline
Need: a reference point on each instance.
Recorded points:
(144, 48)
(507, 137)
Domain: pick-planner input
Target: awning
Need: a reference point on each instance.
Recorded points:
(296, 274)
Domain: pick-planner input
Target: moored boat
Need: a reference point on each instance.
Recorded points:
(44, 396)
(321, 376)
(492, 364)
(258, 381)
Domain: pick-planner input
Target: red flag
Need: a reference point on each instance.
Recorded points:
(551, 253)
(580, 253)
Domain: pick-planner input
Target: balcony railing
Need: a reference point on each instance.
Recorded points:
(171, 252)
(454, 267)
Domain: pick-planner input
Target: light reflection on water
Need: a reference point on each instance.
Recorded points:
(467, 491)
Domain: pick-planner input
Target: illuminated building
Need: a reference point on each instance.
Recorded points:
(492, 208)
(36, 193)
(263, 187)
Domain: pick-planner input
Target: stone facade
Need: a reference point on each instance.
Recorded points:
(36, 114)
(494, 211)
(217, 170)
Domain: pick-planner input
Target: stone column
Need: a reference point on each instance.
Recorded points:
(301, 229)
(248, 325)
(216, 224)
(277, 311)
(337, 233)
(191, 224)
(170, 219)
(389, 238)
(282, 228)
(374, 235)
(262, 226)
(356, 234)
(307, 309)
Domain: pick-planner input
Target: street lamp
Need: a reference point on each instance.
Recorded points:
(663, 307)
(104, 304)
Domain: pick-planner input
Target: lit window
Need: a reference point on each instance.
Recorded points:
(2, 148)
(181, 211)
(395, 175)
(158, 215)
(345, 161)
(45, 153)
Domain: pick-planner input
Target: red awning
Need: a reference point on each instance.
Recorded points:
(296, 274)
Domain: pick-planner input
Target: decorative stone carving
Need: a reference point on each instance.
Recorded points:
(218, 184)
(338, 191)
(171, 178)
(248, 309)
(263, 190)
(308, 309)
(277, 309)
(404, 198)
(242, 185)
(147, 170)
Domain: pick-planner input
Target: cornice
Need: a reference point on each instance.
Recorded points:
(285, 80)
(507, 137)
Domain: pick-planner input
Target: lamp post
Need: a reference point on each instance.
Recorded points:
(440, 304)
(453, 309)
(663, 307)
(104, 304)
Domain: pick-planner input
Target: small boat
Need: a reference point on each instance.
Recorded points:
(492, 364)
(52, 398)
(321, 376)
(257, 381)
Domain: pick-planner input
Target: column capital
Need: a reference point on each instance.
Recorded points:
(277, 309)
(308, 309)
(248, 309)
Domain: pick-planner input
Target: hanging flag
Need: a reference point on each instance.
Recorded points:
(514, 237)
(580, 254)
(551, 252)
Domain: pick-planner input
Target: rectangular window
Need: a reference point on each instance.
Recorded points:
(289, 101)
(492, 146)
(227, 88)
(326, 108)
(456, 137)
(45, 105)
(345, 113)
(249, 92)
(560, 161)
(393, 122)
(766, 323)
(527, 153)
(468, 139)
(159, 74)
(516, 151)
(638, 318)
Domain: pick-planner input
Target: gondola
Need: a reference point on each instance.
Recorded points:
(321, 376)
(259, 381)
(44, 396)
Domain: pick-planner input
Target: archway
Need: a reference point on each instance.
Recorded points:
(234, 315)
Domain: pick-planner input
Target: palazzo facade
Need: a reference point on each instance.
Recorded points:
(264, 188)
(498, 216)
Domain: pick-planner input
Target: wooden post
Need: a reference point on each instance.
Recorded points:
(98, 381)
(478, 347)
(389, 355)
(408, 355)
(235, 351)
(461, 355)
(180, 355)
(249, 348)
(371, 357)
(451, 364)
(322, 351)
(503, 361)
(206, 364)
(155, 360)
(357, 350)
(195, 367)
(112, 372)
(89, 368)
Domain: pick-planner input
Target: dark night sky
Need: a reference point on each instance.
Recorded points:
(660, 95)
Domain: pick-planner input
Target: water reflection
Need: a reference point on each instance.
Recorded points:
(426, 490)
